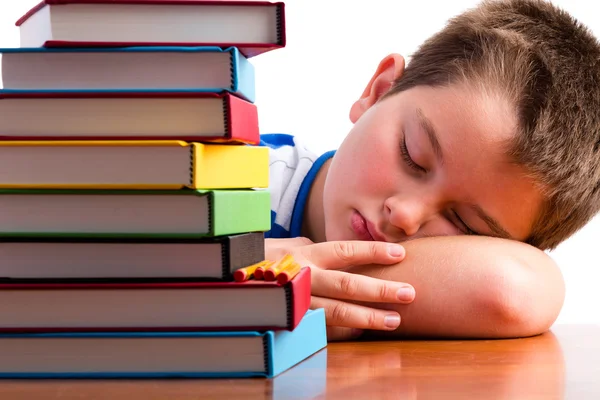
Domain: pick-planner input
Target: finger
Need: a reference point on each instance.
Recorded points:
(342, 254)
(287, 243)
(338, 313)
(348, 286)
(340, 333)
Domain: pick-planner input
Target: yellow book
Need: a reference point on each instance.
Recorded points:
(144, 164)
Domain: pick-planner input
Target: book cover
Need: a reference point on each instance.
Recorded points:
(201, 117)
(131, 69)
(254, 27)
(228, 354)
(159, 306)
(120, 164)
(127, 259)
(132, 213)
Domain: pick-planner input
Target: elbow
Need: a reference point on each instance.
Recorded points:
(527, 297)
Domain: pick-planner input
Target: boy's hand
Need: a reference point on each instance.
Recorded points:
(330, 287)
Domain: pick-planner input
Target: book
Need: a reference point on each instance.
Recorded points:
(133, 213)
(252, 26)
(202, 117)
(132, 69)
(231, 354)
(171, 306)
(56, 259)
(143, 164)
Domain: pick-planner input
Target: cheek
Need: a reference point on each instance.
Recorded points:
(373, 166)
(440, 226)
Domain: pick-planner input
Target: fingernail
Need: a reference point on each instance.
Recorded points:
(406, 293)
(395, 250)
(391, 321)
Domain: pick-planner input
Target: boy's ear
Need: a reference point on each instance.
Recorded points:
(389, 69)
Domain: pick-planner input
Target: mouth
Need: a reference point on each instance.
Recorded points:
(363, 229)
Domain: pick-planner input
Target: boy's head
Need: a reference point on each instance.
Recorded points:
(512, 91)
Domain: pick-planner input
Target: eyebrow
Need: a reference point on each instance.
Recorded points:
(494, 225)
(427, 126)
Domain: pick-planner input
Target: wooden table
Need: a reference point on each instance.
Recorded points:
(564, 363)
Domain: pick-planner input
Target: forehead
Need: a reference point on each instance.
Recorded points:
(474, 128)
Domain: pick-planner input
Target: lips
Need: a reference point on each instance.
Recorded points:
(363, 229)
(374, 233)
(359, 226)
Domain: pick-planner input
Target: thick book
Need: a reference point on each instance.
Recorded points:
(252, 26)
(201, 117)
(55, 259)
(229, 354)
(212, 306)
(130, 69)
(142, 164)
(133, 213)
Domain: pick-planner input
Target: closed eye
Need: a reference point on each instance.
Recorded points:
(463, 226)
(408, 159)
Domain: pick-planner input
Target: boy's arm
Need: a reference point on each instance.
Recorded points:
(477, 287)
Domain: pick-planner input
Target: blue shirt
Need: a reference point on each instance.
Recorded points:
(292, 171)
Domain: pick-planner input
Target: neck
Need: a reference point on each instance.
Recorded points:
(313, 224)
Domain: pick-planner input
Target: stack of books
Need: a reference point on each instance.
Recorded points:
(131, 191)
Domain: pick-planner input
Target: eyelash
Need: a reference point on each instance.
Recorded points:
(407, 159)
(416, 167)
(467, 230)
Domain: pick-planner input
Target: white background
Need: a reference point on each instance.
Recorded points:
(334, 46)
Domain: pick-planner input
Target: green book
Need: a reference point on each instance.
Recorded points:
(133, 213)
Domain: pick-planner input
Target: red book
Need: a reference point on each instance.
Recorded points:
(197, 306)
(252, 26)
(193, 117)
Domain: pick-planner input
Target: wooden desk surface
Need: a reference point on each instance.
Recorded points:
(562, 364)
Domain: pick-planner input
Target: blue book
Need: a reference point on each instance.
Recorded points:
(234, 354)
(89, 71)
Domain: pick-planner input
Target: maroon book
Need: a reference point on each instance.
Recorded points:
(195, 306)
(252, 26)
(41, 116)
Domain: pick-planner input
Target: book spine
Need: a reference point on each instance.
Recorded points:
(242, 76)
(242, 251)
(267, 342)
(300, 289)
(289, 300)
(191, 182)
(280, 24)
(242, 117)
(230, 167)
(226, 117)
(239, 211)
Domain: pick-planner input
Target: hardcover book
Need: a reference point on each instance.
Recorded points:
(252, 26)
(233, 354)
(130, 69)
(201, 117)
(132, 165)
(43, 259)
(133, 213)
(212, 306)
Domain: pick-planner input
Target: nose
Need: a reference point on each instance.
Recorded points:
(407, 214)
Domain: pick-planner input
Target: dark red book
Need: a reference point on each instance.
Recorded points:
(193, 117)
(252, 26)
(199, 306)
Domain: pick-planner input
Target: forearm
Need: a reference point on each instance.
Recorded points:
(474, 287)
